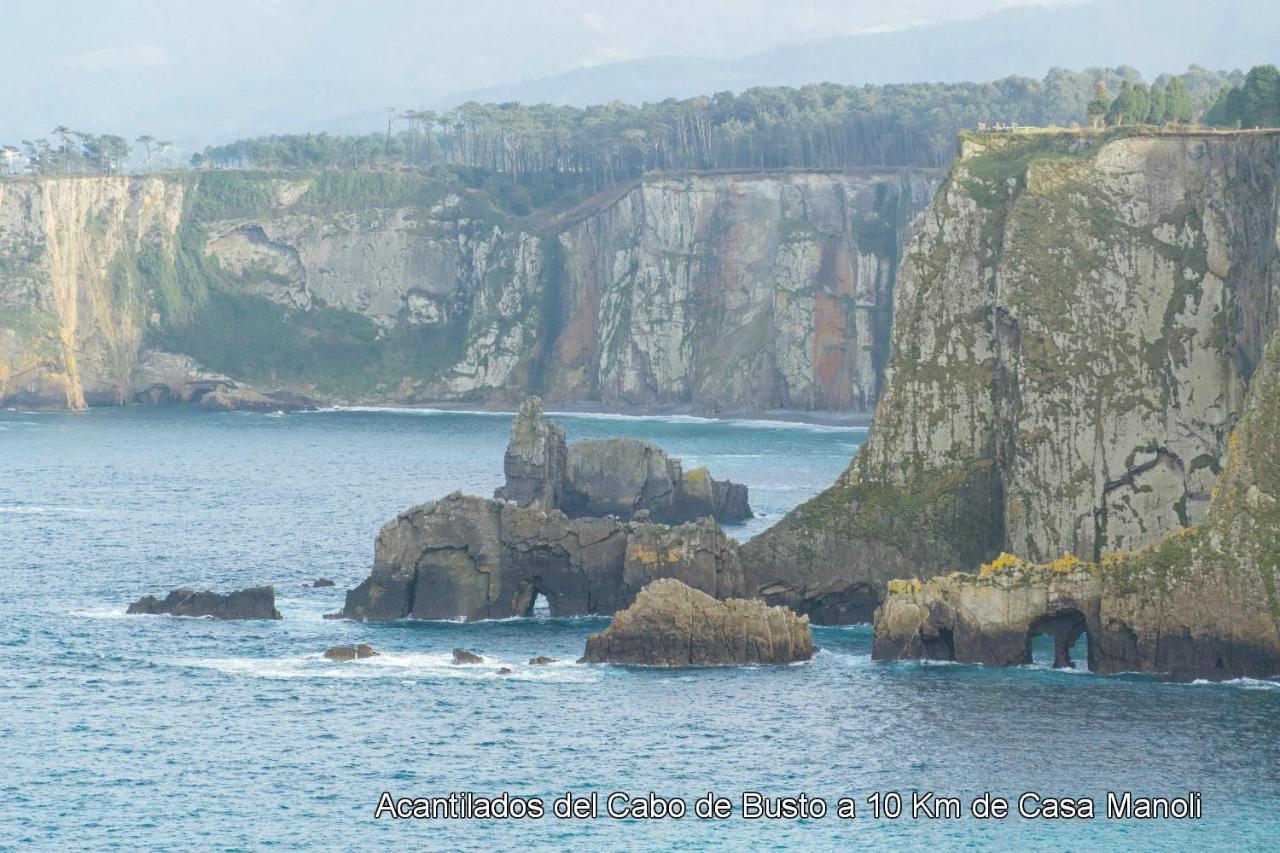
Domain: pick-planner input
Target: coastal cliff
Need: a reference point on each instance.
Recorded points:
(1200, 603)
(1076, 327)
(715, 292)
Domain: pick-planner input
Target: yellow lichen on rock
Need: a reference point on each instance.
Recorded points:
(1002, 563)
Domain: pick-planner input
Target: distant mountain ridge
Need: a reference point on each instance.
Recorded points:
(1151, 35)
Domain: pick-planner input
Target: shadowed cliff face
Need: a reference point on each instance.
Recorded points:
(1075, 329)
(719, 292)
(1200, 603)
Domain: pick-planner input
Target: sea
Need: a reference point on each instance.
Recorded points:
(154, 732)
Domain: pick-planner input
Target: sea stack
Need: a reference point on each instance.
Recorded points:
(257, 602)
(672, 625)
(622, 477)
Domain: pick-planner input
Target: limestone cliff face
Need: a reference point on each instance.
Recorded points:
(1075, 329)
(1200, 603)
(725, 292)
(735, 293)
(72, 311)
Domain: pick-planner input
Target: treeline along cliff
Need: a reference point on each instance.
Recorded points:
(721, 292)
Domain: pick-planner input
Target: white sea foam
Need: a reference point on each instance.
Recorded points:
(753, 423)
(397, 665)
(98, 612)
(44, 510)
(1239, 683)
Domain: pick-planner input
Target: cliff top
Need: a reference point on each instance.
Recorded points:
(973, 144)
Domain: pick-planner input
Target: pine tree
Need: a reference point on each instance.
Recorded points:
(1139, 103)
(1122, 106)
(1097, 108)
(1156, 112)
(1178, 103)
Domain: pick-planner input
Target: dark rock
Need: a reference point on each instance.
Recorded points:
(360, 651)
(535, 461)
(611, 477)
(461, 657)
(672, 624)
(338, 615)
(257, 602)
(541, 660)
(341, 653)
(321, 582)
(471, 558)
(505, 670)
(230, 398)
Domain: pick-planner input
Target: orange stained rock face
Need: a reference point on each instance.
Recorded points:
(649, 557)
(831, 373)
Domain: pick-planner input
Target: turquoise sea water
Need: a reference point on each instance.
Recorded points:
(153, 732)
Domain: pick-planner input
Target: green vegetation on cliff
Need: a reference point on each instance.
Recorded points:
(825, 126)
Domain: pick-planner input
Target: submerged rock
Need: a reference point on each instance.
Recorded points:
(462, 657)
(239, 399)
(504, 670)
(671, 624)
(626, 478)
(472, 558)
(356, 652)
(257, 602)
(321, 582)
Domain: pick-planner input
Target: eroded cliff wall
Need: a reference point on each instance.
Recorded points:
(714, 292)
(72, 310)
(1075, 329)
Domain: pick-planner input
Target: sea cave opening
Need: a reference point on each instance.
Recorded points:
(531, 601)
(1055, 640)
(941, 647)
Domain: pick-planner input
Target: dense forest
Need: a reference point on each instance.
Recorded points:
(1255, 102)
(825, 126)
(550, 149)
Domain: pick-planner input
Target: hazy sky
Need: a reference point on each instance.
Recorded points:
(195, 70)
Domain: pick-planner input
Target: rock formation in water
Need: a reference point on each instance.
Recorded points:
(359, 651)
(1077, 325)
(248, 400)
(672, 624)
(1199, 603)
(472, 558)
(537, 460)
(257, 602)
(618, 477)
(718, 292)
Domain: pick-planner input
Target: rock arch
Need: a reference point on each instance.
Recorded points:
(1065, 626)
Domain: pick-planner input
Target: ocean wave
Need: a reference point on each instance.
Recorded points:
(1239, 683)
(407, 410)
(394, 665)
(44, 510)
(752, 423)
(100, 612)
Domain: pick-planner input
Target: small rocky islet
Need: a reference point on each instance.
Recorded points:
(577, 524)
(257, 602)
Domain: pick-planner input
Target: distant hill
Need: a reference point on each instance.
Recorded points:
(1150, 35)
